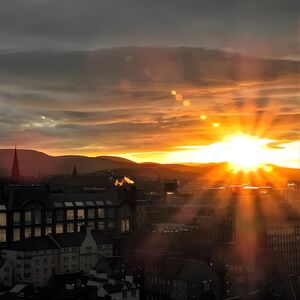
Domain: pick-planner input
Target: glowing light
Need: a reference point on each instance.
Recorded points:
(173, 92)
(268, 168)
(186, 103)
(124, 180)
(245, 153)
(43, 117)
(203, 117)
(178, 97)
(240, 151)
(216, 125)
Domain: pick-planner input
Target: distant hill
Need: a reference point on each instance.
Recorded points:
(33, 162)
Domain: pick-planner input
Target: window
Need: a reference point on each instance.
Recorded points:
(16, 218)
(91, 213)
(27, 232)
(48, 216)
(100, 213)
(28, 217)
(2, 219)
(2, 235)
(48, 230)
(101, 225)
(125, 225)
(79, 224)
(59, 228)
(59, 215)
(80, 214)
(37, 217)
(91, 224)
(70, 227)
(37, 231)
(16, 234)
(111, 224)
(70, 214)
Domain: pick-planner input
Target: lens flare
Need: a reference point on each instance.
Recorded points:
(246, 153)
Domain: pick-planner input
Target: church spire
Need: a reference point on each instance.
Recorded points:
(15, 170)
(75, 173)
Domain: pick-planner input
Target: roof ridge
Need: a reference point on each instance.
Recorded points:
(52, 238)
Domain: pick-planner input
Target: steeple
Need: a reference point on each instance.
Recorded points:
(74, 174)
(15, 171)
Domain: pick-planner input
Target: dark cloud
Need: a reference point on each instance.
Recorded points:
(260, 27)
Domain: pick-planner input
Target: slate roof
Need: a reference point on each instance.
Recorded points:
(34, 244)
(2, 262)
(111, 196)
(76, 239)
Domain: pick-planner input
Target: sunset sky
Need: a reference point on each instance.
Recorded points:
(165, 81)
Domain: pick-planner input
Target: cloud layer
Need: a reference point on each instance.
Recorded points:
(268, 28)
(119, 101)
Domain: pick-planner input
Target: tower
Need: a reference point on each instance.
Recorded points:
(74, 174)
(15, 170)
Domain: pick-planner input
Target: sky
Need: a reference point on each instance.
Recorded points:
(133, 78)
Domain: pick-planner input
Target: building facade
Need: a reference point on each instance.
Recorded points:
(36, 259)
(36, 211)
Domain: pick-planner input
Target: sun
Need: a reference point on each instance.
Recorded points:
(245, 153)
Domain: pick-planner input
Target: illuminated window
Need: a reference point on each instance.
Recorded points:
(48, 230)
(27, 232)
(2, 235)
(70, 214)
(125, 225)
(16, 234)
(37, 231)
(100, 213)
(80, 214)
(59, 228)
(2, 219)
(70, 227)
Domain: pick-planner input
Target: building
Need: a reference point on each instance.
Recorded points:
(112, 287)
(36, 259)
(6, 273)
(284, 236)
(180, 279)
(35, 210)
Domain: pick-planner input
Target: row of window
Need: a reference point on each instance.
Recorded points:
(71, 227)
(35, 217)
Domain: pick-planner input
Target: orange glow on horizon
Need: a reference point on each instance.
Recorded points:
(241, 152)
